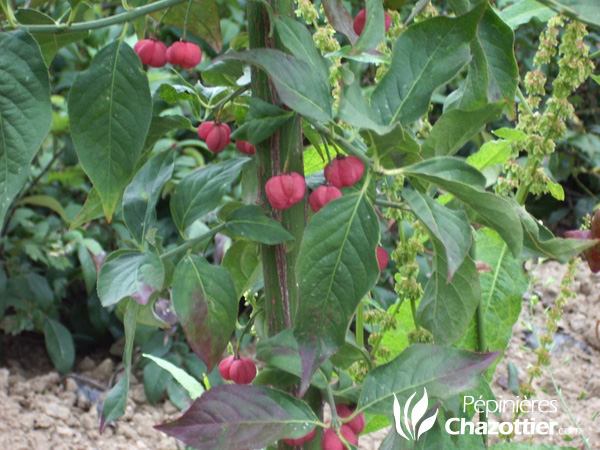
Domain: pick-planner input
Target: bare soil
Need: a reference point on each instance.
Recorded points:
(40, 409)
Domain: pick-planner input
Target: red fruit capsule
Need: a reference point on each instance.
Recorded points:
(224, 367)
(357, 424)
(309, 437)
(151, 52)
(323, 195)
(283, 191)
(382, 258)
(344, 171)
(245, 147)
(361, 19)
(242, 371)
(331, 441)
(216, 135)
(184, 54)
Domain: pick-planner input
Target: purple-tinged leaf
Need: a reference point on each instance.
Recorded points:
(340, 19)
(232, 417)
(205, 300)
(444, 372)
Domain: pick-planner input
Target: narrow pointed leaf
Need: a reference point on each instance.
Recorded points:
(444, 372)
(249, 222)
(339, 18)
(110, 109)
(59, 344)
(522, 12)
(242, 262)
(241, 418)
(201, 191)
(25, 111)
(374, 29)
(206, 303)
(263, 119)
(336, 268)
(141, 195)
(586, 11)
(450, 228)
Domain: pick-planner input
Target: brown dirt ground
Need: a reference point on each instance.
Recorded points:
(41, 409)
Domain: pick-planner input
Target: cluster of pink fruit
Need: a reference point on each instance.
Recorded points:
(239, 370)
(156, 54)
(217, 137)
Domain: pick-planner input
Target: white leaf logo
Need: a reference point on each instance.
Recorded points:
(416, 415)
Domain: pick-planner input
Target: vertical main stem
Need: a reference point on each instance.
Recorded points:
(282, 150)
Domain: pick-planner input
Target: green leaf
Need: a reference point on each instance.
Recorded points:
(502, 290)
(91, 210)
(355, 110)
(59, 344)
(485, 208)
(141, 195)
(336, 268)
(451, 229)
(391, 148)
(50, 43)
(206, 303)
(45, 201)
(128, 273)
(294, 80)
(241, 417)
(490, 153)
(202, 20)
(110, 109)
(161, 125)
(538, 240)
(447, 307)
(455, 128)
(25, 111)
(249, 222)
(522, 12)
(281, 351)
(297, 39)
(200, 192)
(426, 56)
(515, 446)
(586, 11)
(374, 30)
(114, 403)
(156, 380)
(242, 262)
(444, 372)
(189, 383)
(263, 119)
(510, 134)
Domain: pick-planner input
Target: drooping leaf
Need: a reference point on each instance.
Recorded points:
(374, 29)
(128, 273)
(354, 109)
(490, 153)
(25, 111)
(206, 303)
(200, 192)
(294, 80)
(391, 148)
(141, 195)
(484, 208)
(426, 56)
(110, 109)
(50, 43)
(241, 418)
(202, 20)
(455, 128)
(336, 268)
(444, 372)
(156, 380)
(91, 210)
(193, 387)
(450, 228)
(249, 222)
(116, 399)
(447, 307)
(46, 201)
(281, 351)
(59, 344)
(502, 290)
(339, 18)
(538, 240)
(263, 119)
(160, 125)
